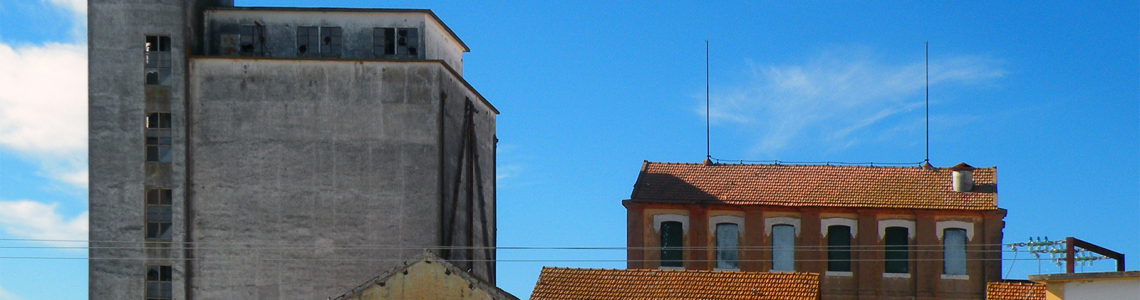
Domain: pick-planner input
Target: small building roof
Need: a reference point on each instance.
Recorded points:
(426, 277)
(351, 10)
(1015, 290)
(601, 284)
(812, 186)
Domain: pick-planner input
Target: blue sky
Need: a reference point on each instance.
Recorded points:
(1048, 93)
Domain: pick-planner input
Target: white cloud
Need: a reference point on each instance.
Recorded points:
(833, 98)
(43, 107)
(35, 220)
(77, 6)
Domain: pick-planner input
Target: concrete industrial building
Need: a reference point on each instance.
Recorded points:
(871, 232)
(279, 153)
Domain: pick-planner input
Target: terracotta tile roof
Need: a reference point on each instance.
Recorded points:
(1015, 290)
(812, 186)
(603, 284)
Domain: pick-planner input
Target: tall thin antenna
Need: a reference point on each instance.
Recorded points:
(927, 160)
(708, 154)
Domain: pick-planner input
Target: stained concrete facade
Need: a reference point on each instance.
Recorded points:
(288, 177)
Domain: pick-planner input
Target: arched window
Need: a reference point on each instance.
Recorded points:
(839, 248)
(897, 254)
(726, 241)
(954, 251)
(672, 241)
(783, 247)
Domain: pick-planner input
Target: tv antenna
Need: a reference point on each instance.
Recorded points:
(708, 154)
(927, 160)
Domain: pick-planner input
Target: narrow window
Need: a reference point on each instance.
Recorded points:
(726, 253)
(252, 40)
(158, 282)
(308, 41)
(839, 248)
(783, 247)
(407, 43)
(383, 41)
(672, 235)
(158, 137)
(897, 255)
(954, 251)
(331, 41)
(157, 65)
(158, 214)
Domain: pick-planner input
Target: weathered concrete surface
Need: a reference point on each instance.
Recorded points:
(118, 104)
(322, 172)
(280, 30)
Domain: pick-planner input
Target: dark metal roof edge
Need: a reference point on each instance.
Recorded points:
(343, 9)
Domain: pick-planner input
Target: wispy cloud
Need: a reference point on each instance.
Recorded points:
(5, 295)
(835, 96)
(39, 221)
(43, 103)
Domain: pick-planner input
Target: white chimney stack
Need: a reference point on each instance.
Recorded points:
(963, 178)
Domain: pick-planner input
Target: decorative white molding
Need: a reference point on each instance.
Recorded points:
(658, 219)
(768, 222)
(727, 270)
(908, 224)
(824, 223)
(838, 274)
(671, 268)
(739, 221)
(941, 226)
(896, 275)
(956, 277)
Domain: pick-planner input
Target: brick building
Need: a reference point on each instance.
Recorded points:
(872, 232)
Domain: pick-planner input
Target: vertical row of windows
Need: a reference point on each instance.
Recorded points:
(157, 64)
(896, 242)
(157, 202)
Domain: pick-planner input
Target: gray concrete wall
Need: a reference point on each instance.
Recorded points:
(281, 31)
(118, 104)
(303, 169)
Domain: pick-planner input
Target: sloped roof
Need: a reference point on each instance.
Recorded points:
(601, 284)
(431, 286)
(1015, 290)
(812, 186)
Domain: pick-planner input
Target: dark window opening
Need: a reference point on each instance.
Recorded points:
(839, 248)
(157, 60)
(954, 251)
(307, 40)
(158, 137)
(158, 282)
(897, 241)
(783, 247)
(253, 40)
(331, 41)
(158, 214)
(672, 236)
(726, 241)
(400, 43)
